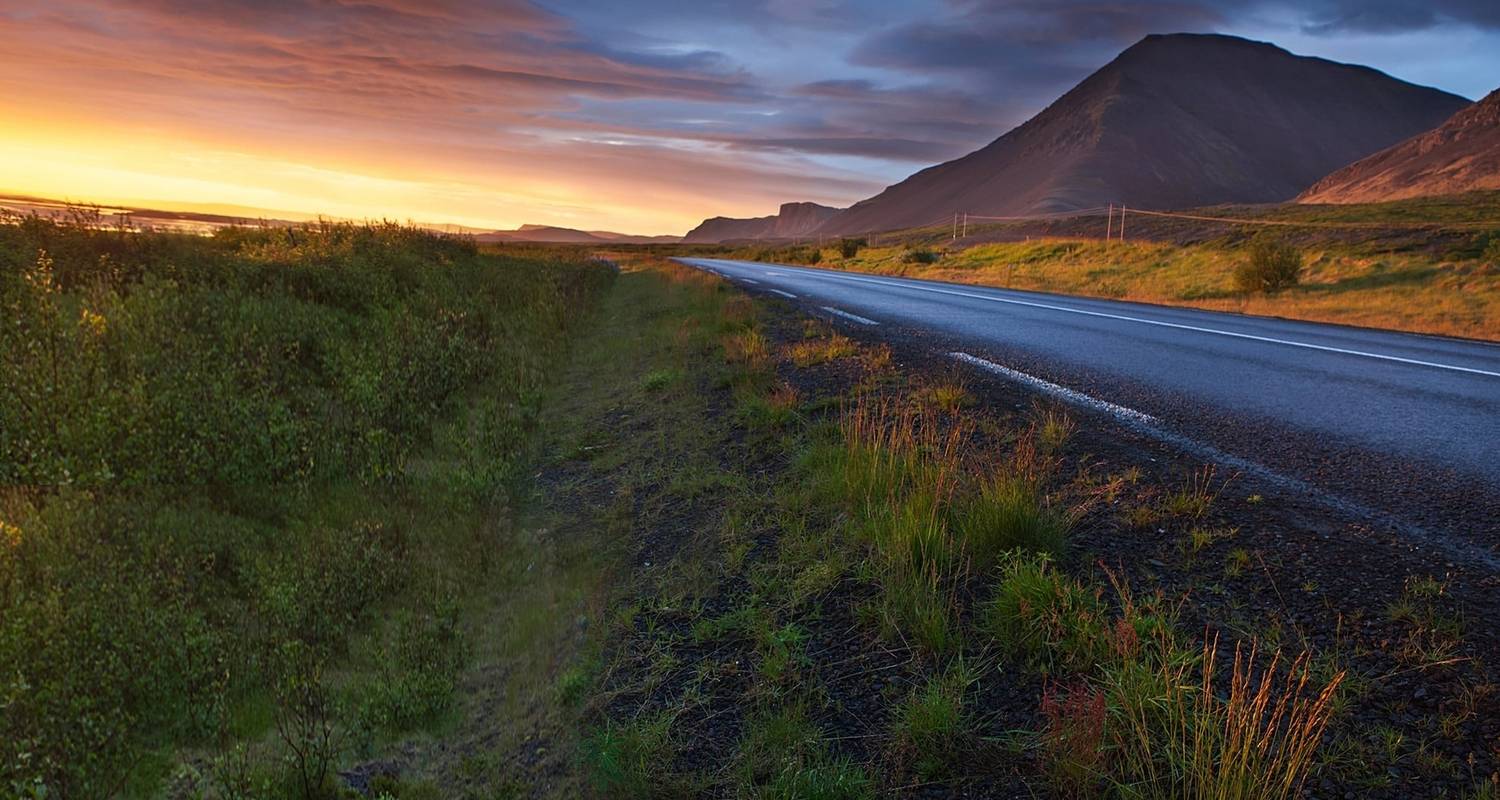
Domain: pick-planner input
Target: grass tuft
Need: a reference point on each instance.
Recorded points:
(933, 726)
(811, 352)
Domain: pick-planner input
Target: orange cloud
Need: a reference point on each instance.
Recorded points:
(446, 112)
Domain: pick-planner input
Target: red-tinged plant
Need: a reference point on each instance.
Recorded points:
(1072, 739)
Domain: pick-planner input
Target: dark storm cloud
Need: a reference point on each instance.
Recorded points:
(1036, 40)
(1391, 16)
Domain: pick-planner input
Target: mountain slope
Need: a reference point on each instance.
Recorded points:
(790, 221)
(1175, 121)
(1461, 155)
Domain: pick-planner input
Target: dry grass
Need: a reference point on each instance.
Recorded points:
(810, 352)
(1400, 291)
(877, 360)
(1146, 716)
(949, 395)
(1251, 740)
(746, 347)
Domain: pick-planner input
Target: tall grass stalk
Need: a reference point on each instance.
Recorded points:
(1194, 740)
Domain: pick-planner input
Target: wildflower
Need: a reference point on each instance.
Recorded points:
(10, 535)
(93, 323)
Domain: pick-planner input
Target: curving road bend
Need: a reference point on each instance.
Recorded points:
(1406, 424)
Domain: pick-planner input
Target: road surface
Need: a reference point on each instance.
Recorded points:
(1345, 409)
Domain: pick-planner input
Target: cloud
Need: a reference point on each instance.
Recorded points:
(1333, 17)
(1046, 40)
(714, 107)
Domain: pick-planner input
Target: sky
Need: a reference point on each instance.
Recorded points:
(641, 116)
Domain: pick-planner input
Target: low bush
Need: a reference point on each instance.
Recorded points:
(849, 248)
(1491, 254)
(1255, 738)
(920, 255)
(203, 446)
(1269, 267)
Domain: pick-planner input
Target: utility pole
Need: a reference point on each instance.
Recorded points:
(1109, 223)
(1122, 222)
(966, 224)
(955, 226)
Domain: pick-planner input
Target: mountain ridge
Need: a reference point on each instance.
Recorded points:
(1156, 128)
(791, 220)
(1461, 155)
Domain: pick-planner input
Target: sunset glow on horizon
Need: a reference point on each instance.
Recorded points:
(643, 119)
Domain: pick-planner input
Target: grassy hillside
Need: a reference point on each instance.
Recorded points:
(1443, 280)
(248, 480)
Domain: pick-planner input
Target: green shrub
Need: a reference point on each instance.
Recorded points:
(418, 668)
(1491, 254)
(849, 248)
(920, 255)
(1269, 267)
(202, 440)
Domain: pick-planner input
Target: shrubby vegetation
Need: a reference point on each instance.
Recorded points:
(919, 255)
(790, 254)
(205, 488)
(1270, 266)
(1491, 254)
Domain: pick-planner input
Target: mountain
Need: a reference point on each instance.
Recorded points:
(1175, 121)
(1461, 155)
(789, 222)
(556, 235)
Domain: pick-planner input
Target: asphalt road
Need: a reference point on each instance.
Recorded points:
(1253, 387)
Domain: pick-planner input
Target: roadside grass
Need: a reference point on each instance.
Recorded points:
(811, 352)
(933, 728)
(1434, 629)
(1125, 714)
(1393, 283)
(924, 539)
(249, 479)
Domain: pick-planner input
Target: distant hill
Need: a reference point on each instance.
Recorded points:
(1461, 155)
(1175, 121)
(556, 235)
(791, 221)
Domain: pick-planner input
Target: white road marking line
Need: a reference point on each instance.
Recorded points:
(770, 274)
(1178, 325)
(847, 315)
(749, 280)
(784, 294)
(1072, 396)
